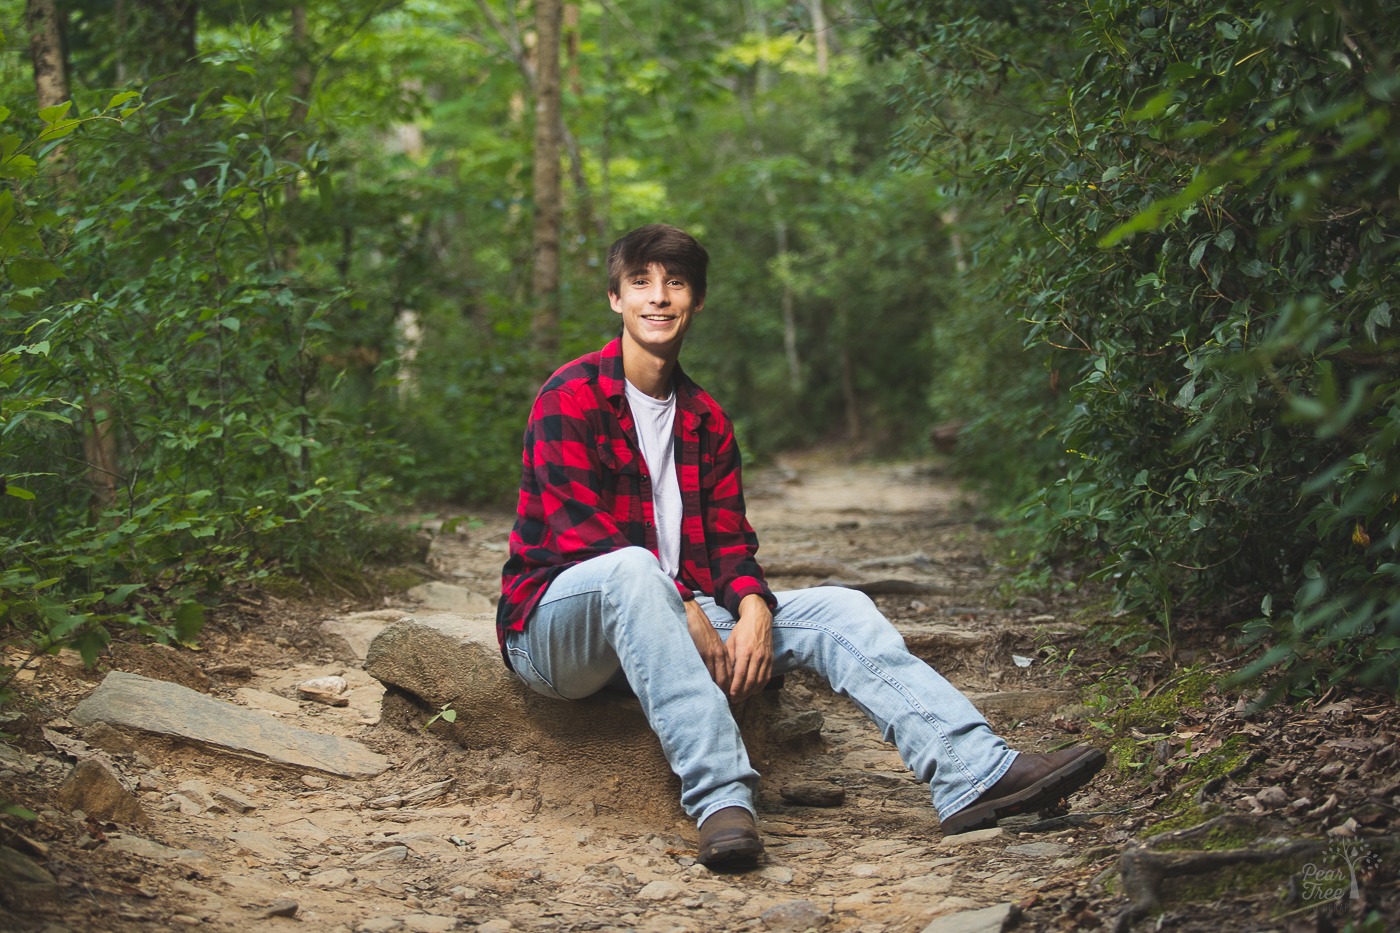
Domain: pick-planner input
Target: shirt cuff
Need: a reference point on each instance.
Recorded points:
(745, 586)
(687, 594)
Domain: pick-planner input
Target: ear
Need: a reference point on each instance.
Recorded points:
(615, 301)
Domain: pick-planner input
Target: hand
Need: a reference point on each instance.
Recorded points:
(750, 648)
(708, 643)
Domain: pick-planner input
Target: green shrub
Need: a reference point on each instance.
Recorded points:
(149, 300)
(1205, 238)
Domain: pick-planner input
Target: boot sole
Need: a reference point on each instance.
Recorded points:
(1047, 790)
(732, 853)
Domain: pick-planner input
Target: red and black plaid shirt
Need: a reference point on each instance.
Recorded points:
(585, 490)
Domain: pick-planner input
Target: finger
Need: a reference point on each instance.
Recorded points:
(723, 673)
(760, 670)
(738, 681)
(755, 680)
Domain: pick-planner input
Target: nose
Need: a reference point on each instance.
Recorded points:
(656, 295)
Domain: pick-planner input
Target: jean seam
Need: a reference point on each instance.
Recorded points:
(979, 787)
(523, 654)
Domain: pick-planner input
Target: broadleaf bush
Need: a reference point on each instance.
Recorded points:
(167, 381)
(1198, 230)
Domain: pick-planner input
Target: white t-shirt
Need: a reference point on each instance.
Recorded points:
(655, 419)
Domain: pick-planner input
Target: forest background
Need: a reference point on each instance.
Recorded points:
(271, 273)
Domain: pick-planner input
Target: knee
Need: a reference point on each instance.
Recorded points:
(637, 571)
(633, 562)
(853, 604)
(860, 618)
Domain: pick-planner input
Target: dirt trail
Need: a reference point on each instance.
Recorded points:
(451, 839)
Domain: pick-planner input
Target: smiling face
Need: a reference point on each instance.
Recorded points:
(656, 307)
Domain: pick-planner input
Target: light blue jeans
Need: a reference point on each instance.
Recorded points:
(617, 619)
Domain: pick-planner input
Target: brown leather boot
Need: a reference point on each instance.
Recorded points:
(729, 839)
(1032, 782)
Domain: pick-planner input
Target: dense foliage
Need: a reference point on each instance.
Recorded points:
(266, 270)
(1194, 215)
(266, 274)
(163, 421)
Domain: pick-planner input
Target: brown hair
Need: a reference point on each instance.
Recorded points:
(678, 252)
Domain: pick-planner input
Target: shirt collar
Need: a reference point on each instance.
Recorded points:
(613, 381)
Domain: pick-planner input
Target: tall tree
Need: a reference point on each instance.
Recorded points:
(51, 90)
(549, 15)
(46, 52)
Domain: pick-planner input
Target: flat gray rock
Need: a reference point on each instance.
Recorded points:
(130, 701)
(992, 919)
(1039, 849)
(797, 916)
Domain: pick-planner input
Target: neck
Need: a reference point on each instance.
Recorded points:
(647, 371)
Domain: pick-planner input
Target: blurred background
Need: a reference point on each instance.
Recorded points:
(271, 273)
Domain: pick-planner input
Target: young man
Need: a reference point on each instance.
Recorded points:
(631, 562)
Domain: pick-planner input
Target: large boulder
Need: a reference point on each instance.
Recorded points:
(600, 747)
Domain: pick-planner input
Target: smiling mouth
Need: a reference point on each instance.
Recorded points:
(658, 317)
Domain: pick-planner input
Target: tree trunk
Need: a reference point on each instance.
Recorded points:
(819, 35)
(571, 41)
(789, 305)
(605, 143)
(46, 52)
(50, 90)
(548, 126)
(100, 451)
(848, 378)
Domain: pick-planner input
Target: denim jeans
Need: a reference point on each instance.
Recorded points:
(618, 619)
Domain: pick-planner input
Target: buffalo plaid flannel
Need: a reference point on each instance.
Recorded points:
(585, 490)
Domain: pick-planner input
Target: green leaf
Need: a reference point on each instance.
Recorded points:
(121, 98)
(60, 631)
(189, 621)
(90, 643)
(120, 594)
(1198, 251)
(58, 130)
(56, 112)
(12, 490)
(1378, 317)
(326, 190)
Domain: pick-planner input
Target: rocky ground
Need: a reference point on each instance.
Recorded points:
(364, 821)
